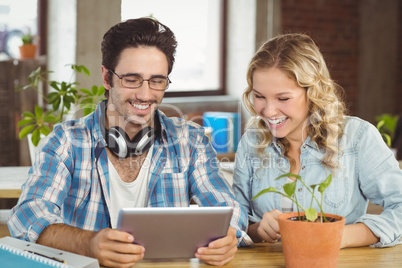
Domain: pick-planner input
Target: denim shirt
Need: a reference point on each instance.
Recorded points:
(368, 171)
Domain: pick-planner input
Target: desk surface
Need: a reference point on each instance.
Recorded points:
(271, 255)
(11, 180)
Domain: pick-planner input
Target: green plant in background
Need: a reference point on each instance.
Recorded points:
(61, 99)
(289, 189)
(386, 124)
(27, 39)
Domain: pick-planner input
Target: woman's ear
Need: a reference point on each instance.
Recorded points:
(105, 75)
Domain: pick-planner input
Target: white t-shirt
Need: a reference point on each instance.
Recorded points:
(132, 194)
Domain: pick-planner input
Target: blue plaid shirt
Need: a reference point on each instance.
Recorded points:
(69, 182)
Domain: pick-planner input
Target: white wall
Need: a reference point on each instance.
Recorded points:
(75, 32)
(62, 31)
(241, 47)
(76, 29)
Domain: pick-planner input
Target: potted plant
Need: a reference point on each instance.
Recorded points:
(28, 48)
(64, 99)
(309, 238)
(386, 124)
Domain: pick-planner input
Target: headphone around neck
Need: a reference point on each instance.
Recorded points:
(120, 144)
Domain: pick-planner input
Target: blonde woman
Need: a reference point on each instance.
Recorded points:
(299, 125)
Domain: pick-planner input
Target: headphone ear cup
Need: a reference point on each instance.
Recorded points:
(117, 141)
(142, 141)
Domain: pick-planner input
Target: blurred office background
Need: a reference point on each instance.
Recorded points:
(361, 41)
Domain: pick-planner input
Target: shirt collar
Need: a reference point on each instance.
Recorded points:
(307, 143)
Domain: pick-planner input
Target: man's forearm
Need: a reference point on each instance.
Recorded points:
(68, 238)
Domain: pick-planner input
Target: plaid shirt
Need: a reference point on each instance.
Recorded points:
(69, 182)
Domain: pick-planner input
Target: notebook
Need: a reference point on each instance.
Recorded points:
(174, 232)
(22, 254)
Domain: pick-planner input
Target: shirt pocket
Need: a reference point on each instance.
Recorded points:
(176, 187)
(337, 192)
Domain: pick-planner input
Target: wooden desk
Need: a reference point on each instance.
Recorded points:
(271, 255)
(11, 179)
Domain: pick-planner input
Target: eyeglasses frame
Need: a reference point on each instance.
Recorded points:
(121, 81)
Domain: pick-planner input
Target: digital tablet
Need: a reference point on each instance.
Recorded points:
(174, 232)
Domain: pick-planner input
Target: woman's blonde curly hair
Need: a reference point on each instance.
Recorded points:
(299, 57)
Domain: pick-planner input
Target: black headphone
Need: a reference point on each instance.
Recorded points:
(120, 144)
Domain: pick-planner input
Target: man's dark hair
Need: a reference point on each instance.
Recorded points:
(135, 33)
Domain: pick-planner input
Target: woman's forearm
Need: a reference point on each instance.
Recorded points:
(252, 232)
(357, 235)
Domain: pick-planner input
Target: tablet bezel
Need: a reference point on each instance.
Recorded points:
(174, 232)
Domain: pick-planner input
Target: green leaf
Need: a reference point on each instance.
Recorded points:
(313, 186)
(94, 90)
(26, 130)
(380, 124)
(88, 100)
(311, 214)
(38, 112)
(64, 86)
(87, 111)
(35, 73)
(101, 91)
(54, 85)
(67, 104)
(56, 104)
(28, 114)
(268, 190)
(86, 91)
(25, 122)
(50, 118)
(80, 69)
(289, 175)
(52, 97)
(387, 139)
(69, 99)
(73, 91)
(290, 188)
(85, 70)
(323, 185)
(36, 137)
(45, 130)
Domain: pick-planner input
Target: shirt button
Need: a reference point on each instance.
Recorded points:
(303, 167)
(300, 189)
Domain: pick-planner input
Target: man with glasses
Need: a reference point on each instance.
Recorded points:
(125, 154)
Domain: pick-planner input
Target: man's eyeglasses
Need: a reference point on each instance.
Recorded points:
(135, 81)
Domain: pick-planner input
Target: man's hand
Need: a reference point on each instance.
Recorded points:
(111, 247)
(114, 248)
(220, 251)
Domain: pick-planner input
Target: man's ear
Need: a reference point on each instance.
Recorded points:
(105, 74)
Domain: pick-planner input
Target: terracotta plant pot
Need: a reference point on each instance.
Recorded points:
(27, 51)
(310, 244)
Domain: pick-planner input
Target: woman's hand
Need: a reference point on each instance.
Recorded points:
(267, 229)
